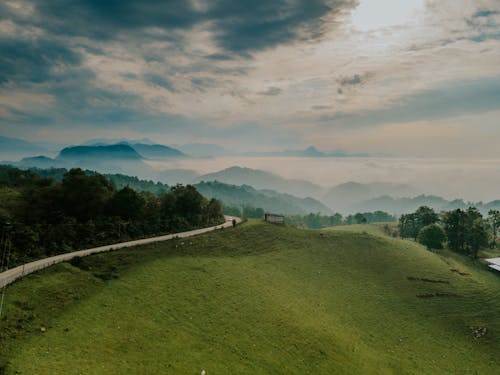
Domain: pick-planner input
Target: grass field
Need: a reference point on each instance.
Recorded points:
(257, 299)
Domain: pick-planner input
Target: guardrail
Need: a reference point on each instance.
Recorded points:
(13, 274)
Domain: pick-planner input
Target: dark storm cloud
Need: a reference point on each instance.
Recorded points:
(245, 26)
(24, 61)
(98, 19)
(47, 57)
(240, 26)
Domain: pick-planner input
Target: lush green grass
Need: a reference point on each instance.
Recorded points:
(254, 300)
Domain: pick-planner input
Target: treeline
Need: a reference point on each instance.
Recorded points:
(314, 220)
(43, 217)
(246, 211)
(118, 180)
(317, 221)
(463, 231)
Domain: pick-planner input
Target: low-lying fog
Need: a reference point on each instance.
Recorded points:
(473, 180)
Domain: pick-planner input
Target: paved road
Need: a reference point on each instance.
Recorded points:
(13, 274)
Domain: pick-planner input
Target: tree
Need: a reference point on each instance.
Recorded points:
(85, 210)
(432, 236)
(466, 231)
(426, 216)
(477, 233)
(378, 217)
(126, 203)
(213, 212)
(408, 226)
(455, 227)
(232, 210)
(253, 212)
(334, 220)
(360, 218)
(494, 220)
(84, 197)
(189, 202)
(152, 212)
(411, 224)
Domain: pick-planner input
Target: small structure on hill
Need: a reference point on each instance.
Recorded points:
(494, 263)
(274, 218)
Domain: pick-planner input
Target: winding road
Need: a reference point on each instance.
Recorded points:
(13, 274)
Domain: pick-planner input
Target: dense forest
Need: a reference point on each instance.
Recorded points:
(317, 221)
(43, 216)
(118, 180)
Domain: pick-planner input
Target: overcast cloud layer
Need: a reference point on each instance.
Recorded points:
(409, 78)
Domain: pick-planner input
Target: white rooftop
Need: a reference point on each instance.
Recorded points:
(494, 266)
(495, 261)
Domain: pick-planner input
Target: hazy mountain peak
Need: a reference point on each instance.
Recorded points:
(117, 151)
(156, 151)
(313, 150)
(260, 179)
(111, 141)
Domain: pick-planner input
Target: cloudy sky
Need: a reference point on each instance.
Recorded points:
(413, 77)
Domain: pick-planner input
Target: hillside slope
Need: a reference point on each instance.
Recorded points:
(257, 299)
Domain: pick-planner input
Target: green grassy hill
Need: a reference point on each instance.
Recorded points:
(258, 299)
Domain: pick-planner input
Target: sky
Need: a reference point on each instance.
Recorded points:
(408, 78)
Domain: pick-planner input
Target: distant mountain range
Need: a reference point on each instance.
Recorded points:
(269, 200)
(400, 206)
(113, 141)
(309, 152)
(145, 148)
(129, 159)
(118, 152)
(345, 198)
(149, 149)
(349, 196)
(313, 152)
(95, 148)
(116, 158)
(263, 180)
(119, 158)
(156, 151)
